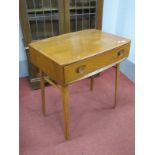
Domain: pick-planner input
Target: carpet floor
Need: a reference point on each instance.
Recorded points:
(96, 128)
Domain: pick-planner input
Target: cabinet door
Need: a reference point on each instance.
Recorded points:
(43, 18)
(85, 14)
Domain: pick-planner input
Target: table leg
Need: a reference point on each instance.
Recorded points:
(66, 111)
(91, 83)
(116, 83)
(42, 83)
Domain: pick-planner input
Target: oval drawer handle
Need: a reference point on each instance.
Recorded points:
(120, 53)
(80, 69)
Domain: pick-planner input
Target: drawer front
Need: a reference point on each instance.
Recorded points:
(79, 69)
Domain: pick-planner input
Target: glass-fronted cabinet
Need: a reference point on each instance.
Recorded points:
(82, 14)
(43, 18)
(47, 18)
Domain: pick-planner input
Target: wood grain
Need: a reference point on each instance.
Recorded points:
(24, 22)
(116, 84)
(62, 16)
(70, 57)
(42, 86)
(47, 65)
(66, 16)
(72, 47)
(94, 63)
(66, 111)
(92, 83)
(99, 14)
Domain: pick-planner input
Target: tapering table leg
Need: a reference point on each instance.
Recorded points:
(42, 83)
(116, 83)
(66, 111)
(91, 83)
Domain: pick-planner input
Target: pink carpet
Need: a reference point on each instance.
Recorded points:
(96, 128)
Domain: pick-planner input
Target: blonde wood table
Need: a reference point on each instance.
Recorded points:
(74, 56)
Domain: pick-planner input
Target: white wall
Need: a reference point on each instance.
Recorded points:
(110, 8)
(22, 55)
(23, 66)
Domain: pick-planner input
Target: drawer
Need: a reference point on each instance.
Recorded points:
(81, 68)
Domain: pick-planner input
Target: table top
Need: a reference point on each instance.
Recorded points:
(72, 47)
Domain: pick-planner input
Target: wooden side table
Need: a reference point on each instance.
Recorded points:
(71, 57)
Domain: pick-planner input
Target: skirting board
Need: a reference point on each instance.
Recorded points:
(128, 69)
(23, 68)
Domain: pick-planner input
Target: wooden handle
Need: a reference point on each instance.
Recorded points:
(120, 53)
(80, 69)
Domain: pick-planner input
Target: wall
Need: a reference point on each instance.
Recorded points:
(119, 18)
(23, 69)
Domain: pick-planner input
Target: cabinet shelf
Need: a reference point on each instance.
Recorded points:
(82, 7)
(41, 10)
(41, 18)
(56, 9)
